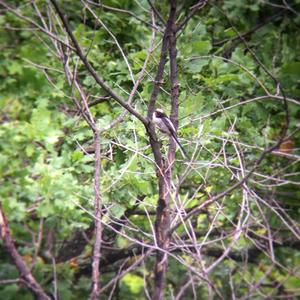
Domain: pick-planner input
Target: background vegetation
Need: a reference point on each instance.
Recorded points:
(222, 225)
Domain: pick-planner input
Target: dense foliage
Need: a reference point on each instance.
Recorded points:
(238, 72)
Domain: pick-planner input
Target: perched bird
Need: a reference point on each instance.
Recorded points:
(165, 125)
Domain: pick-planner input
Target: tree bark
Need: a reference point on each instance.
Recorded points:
(162, 223)
(98, 226)
(25, 273)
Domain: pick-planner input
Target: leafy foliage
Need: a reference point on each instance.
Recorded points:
(229, 111)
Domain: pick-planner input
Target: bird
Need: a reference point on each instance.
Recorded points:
(166, 126)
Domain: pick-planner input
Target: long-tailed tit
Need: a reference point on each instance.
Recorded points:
(165, 125)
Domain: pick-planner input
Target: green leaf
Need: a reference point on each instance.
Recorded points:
(292, 68)
(134, 282)
(29, 150)
(195, 66)
(200, 47)
(77, 155)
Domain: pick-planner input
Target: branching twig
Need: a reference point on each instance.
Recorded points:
(92, 71)
(25, 274)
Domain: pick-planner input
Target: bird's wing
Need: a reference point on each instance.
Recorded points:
(173, 133)
(169, 125)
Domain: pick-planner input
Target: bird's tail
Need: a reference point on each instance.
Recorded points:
(180, 147)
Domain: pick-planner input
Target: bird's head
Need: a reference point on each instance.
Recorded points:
(159, 113)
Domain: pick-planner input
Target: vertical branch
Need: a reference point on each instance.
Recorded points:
(24, 271)
(98, 226)
(173, 71)
(152, 102)
(160, 70)
(162, 222)
(95, 290)
(174, 98)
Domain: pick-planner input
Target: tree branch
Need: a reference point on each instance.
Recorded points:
(162, 222)
(92, 71)
(25, 274)
(193, 10)
(98, 225)
(50, 34)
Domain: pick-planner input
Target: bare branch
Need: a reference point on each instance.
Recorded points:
(25, 274)
(49, 33)
(98, 226)
(91, 70)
